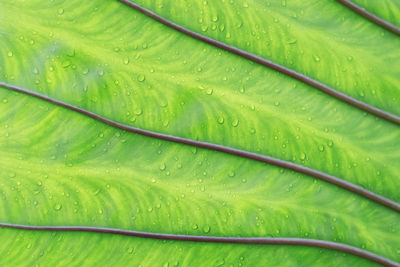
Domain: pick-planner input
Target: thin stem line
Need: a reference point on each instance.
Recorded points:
(370, 16)
(298, 76)
(215, 239)
(224, 149)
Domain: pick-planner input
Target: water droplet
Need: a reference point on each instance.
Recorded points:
(292, 41)
(209, 91)
(10, 54)
(330, 143)
(162, 167)
(244, 180)
(215, 18)
(66, 64)
(220, 120)
(206, 229)
(29, 246)
(252, 131)
(317, 58)
(130, 250)
(138, 111)
(219, 262)
(57, 207)
(60, 11)
(12, 174)
(303, 156)
(231, 173)
(126, 60)
(245, 4)
(321, 148)
(350, 58)
(141, 77)
(235, 123)
(195, 226)
(35, 70)
(5, 100)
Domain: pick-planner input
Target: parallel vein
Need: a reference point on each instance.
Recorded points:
(371, 17)
(229, 150)
(298, 76)
(214, 239)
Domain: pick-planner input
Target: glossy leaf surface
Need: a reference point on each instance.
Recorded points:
(62, 168)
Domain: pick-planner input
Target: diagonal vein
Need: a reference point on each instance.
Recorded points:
(215, 147)
(298, 76)
(371, 17)
(216, 239)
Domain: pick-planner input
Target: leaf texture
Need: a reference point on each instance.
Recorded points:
(59, 167)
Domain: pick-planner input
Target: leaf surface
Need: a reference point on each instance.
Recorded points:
(62, 168)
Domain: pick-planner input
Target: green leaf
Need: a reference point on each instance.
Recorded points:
(322, 39)
(386, 9)
(59, 167)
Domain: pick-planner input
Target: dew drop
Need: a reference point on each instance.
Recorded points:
(162, 167)
(215, 18)
(66, 64)
(321, 148)
(141, 77)
(220, 120)
(126, 60)
(130, 250)
(10, 54)
(60, 11)
(317, 58)
(57, 207)
(220, 262)
(303, 156)
(206, 229)
(138, 111)
(209, 91)
(35, 70)
(235, 123)
(330, 143)
(195, 226)
(231, 174)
